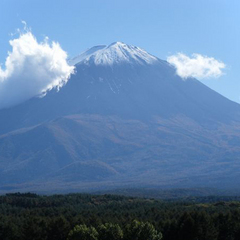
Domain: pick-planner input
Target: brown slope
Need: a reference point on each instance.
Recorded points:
(88, 148)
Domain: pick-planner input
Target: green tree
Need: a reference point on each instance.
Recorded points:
(142, 231)
(109, 231)
(58, 228)
(34, 228)
(187, 229)
(82, 232)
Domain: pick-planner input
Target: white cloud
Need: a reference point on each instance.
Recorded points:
(197, 66)
(31, 69)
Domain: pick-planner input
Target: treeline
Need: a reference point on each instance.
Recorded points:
(91, 217)
(108, 231)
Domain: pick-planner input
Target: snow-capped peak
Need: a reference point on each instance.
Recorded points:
(115, 53)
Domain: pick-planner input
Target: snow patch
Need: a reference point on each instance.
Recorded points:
(115, 53)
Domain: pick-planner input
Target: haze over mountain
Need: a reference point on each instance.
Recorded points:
(125, 118)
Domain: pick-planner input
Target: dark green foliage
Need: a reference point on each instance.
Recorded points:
(110, 231)
(58, 223)
(105, 217)
(142, 231)
(82, 232)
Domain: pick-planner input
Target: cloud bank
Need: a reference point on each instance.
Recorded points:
(197, 66)
(31, 69)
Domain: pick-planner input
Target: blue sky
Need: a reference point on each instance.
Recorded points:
(162, 27)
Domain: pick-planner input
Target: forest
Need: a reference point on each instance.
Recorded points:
(28, 216)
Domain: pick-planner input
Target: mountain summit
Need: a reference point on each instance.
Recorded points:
(115, 53)
(123, 119)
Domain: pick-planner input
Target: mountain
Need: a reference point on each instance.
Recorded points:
(124, 119)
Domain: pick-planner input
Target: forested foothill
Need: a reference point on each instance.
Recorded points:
(28, 216)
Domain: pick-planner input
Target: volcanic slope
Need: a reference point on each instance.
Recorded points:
(123, 119)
